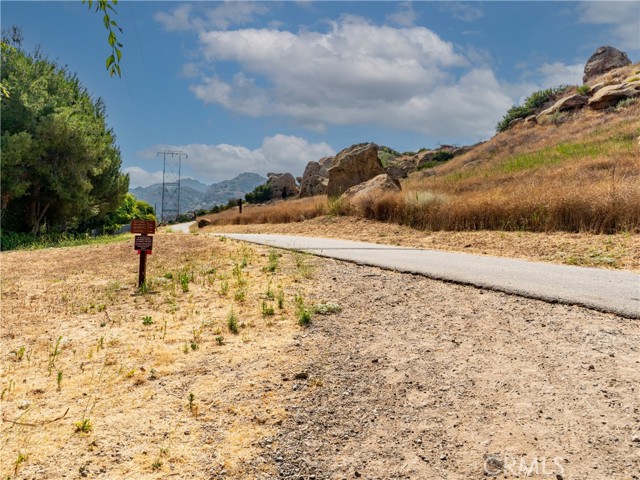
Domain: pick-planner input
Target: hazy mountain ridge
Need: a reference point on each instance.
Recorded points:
(195, 195)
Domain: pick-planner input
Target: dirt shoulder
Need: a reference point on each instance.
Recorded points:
(421, 379)
(620, 251)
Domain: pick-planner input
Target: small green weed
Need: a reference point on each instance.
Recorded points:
(19, 353)
(147, 320)
(53, 354)
(302, 312)
(22, 457)
(232, 322)
(224, 288)
(269, 293)
(272, 266)
(84, 426)
(184, 282)
(59, 380)
(220, 340)
(304, 317)
(267, 310)
(240, 295)
(280, 299)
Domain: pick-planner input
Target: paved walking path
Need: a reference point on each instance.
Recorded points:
(604, 290)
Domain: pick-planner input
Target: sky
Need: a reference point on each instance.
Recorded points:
(269, 86)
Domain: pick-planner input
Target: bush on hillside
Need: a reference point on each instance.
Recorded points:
(260, 194)
(531, 104)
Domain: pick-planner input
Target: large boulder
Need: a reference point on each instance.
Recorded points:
(603, 60)
(352, 166)
(312, 185)
(282, 185)
(612, 94)
(571, 102)
(315, 179)
(373, 187)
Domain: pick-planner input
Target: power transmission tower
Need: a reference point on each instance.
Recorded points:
(171, 184)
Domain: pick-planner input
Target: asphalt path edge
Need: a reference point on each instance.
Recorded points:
(630, 313)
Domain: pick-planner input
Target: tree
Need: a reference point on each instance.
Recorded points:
(260, 194)
(60, 163)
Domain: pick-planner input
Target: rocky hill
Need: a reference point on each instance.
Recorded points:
(195, 195)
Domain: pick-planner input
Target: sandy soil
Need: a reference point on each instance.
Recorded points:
(413, 378)
(620, 251)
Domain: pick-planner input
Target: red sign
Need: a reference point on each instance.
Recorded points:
(143, 243)
(144, 227)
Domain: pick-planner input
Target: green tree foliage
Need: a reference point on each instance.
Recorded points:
(531, 104)
(130, 209)
(60, 164)
(260, 194)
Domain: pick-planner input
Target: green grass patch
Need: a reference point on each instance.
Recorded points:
(27, 241)
(550, 156)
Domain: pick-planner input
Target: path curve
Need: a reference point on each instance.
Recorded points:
(608, 291)
(181, 227)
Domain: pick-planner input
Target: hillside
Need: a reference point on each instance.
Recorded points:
(572, 165)
(195, 195)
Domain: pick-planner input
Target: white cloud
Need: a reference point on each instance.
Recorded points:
(224, 15)
(354, 73)
(212, 163)
(557, 73)
(404, 16)
(465, 11)
(623, 17)
(139, 177)
(178, 19)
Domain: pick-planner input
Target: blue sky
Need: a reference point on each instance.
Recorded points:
(268, 86)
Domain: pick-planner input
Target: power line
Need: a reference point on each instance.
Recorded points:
(172, 162)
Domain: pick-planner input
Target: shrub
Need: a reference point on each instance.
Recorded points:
(260, 194)
(531, 104)
(583, 90)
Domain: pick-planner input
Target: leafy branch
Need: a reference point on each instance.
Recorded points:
(107, 8)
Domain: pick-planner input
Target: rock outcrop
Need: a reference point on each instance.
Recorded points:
(203, 222)
(315, 179)
(282, 185)
(565, 104)
(612, 94)
(352, 166)
(373, 187)
(603, 60)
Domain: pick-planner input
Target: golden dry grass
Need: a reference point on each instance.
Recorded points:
(582, 175)
(74, 312)
(288, 211)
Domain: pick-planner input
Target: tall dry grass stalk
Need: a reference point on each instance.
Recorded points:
(288, 211)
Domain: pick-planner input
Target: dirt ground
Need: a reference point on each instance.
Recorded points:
(412, 378)
(620, 251)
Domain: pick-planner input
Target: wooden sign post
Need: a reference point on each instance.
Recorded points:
(143, 243)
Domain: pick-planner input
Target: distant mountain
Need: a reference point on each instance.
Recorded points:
(238, 187)
(194, 184)
(195, 195)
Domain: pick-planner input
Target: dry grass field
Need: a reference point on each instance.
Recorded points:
(98, 379)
